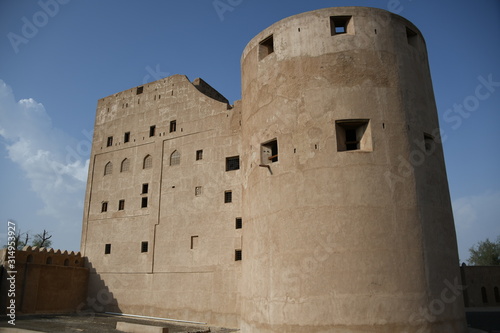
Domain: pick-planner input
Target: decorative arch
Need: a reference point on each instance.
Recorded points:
(108, 169)
(125, 165)
(175, 158)
(148, 162)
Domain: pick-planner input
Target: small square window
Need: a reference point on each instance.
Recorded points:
(145, 188)
(228, 196)
(144, 202)
(109, 143)
(121, 204)
(237, 255)
(340, 25)
(139, 90)
(107, 249)
(126, 137)
(199, 155)
(232, 163)
(269, 152)
(104, 207)
(173, 126)
(144, 247)
(353, 134)
(239, 223)
(197, 191)
(266, 47)
(152, 130)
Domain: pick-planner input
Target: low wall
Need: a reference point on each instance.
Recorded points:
(46, 280)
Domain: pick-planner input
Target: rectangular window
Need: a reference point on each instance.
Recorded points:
(269, 152)
(341, 25)
(197, 191)
(266, 47)
(121, 204)
(239, 223)
(228, 196)
(152, 130)
(411, 36)
(107, 249)
(104, 207)
(144, 247)
(194, 242)
(353, 134)
(237, 255)
(199, 155)
(139, 90)
(110, 141)
(173, 126)
(232, 163)
(145, 188)
(126, 137)
(144, 202)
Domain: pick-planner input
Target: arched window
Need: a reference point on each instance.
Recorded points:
(66, 262)
(29, 259)
(175, 158)
(484, 295)
(108, 169)
(497, 294)
(125, 165)
(49, 260)
(148, 162)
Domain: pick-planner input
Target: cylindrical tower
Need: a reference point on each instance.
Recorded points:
(348, 222)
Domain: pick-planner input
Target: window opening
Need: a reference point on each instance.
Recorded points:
(29, 259)
(173, 126)
(152, 130)
(411, 36)
(199, 155)
(340, 25)
(144, 202)
(107, 249)
(125, 165)
(144, 247)
(148, 162)
(49, 261)
(228, 196)
(175, 158)
(429, 142)
(197, 191)
(145, 188)
(353, 135)
(237, 255)
(194, 242)
(109, 143)
(66, 262)
(126, 137)
(232, 163)
(139, 90)
(269, 152)
(239, 223)
(497, 294)
(121, 204)
(266, 47)
(484, 295)
(104, 207)
(108, 168)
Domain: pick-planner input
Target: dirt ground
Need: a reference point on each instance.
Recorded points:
(97, 323)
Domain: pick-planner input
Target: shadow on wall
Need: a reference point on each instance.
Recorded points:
(100, 299)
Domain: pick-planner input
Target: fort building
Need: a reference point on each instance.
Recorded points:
(317, 203)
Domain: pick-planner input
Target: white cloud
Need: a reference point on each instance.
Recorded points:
(42, 153)
(477, 217)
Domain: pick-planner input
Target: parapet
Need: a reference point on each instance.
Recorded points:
(48, 256)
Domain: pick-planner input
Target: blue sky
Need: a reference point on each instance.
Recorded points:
(58, 57)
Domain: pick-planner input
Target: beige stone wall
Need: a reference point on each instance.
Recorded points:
(189, 270)
(352, 240)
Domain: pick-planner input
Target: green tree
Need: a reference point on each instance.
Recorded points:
(485, 253)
